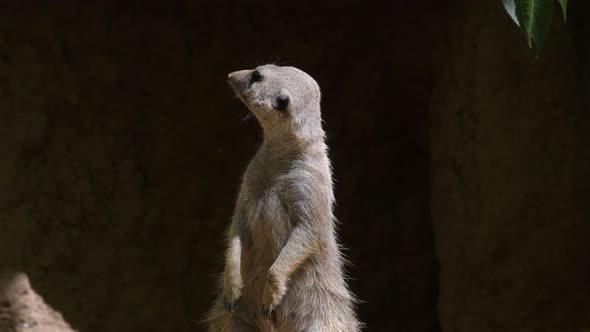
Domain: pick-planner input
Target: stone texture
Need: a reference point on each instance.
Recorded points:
(509, 133)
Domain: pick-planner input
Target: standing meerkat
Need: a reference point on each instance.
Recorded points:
(283, 268)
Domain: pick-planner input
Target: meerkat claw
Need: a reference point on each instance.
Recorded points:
(267, 312)
(230, 304)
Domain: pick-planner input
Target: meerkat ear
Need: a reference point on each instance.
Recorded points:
(282, 101)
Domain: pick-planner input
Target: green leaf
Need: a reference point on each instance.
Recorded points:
(563, 4)
(510, 7)
(535, 18)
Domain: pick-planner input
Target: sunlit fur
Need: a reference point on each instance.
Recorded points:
(282, 250)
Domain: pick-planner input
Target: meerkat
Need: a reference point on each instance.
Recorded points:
(283, 267)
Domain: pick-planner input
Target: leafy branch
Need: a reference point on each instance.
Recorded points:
(534, 18)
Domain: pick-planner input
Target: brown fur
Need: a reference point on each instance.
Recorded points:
(283, 266)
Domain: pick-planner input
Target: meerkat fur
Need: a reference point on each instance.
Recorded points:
(283, 267)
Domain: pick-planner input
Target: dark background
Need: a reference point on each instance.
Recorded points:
(461, 160)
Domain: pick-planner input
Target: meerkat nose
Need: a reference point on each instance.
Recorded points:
(232, 79)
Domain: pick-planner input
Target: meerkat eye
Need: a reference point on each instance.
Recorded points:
(282, 103)
(256, 77)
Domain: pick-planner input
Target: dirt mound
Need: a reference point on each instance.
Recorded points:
(22, 309)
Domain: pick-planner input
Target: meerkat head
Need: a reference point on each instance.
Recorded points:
(285, 100)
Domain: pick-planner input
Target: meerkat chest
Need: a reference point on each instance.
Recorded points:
(266, 205)
(267, 213)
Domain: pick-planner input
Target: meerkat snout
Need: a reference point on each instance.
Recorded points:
(236, 80)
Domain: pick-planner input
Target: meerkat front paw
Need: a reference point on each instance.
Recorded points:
(232, 290)
(274, 290)
(230, 303)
